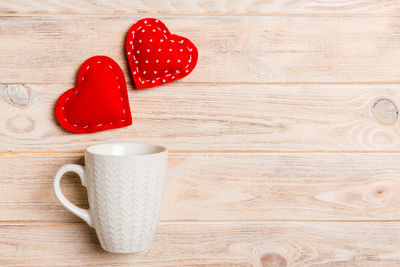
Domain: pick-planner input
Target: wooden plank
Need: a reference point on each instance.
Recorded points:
(249, 49)
(155, 7)
(226, 187)
(224, 118)
(235, 244)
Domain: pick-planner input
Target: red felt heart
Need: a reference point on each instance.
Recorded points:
(99, 101)
(156, 56)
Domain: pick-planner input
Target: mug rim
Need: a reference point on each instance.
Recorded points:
(133, 145)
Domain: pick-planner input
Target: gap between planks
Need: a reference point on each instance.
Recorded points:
(235, 83)
(255, 153)
(177, 222)
(247, 14)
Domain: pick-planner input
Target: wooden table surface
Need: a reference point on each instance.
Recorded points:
(284, 140)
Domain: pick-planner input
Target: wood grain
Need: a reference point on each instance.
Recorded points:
(226, 187)
(225, 118)
(284, 139)
(230, 244)
(204, 7)
(242, 49)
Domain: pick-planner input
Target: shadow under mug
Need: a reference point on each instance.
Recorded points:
(125, 184)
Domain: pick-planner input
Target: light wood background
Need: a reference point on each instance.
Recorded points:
(285, 140)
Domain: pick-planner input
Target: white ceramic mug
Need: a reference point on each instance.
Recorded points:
(124, 182)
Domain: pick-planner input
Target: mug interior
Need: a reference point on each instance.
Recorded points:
(125, 149)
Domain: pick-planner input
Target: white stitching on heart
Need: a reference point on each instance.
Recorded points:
(161, 40)
(76, 92)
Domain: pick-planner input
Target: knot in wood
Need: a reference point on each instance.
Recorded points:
(16, 94)
(385, 111)
(273, 260)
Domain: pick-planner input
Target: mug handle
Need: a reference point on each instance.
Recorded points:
(84, 214)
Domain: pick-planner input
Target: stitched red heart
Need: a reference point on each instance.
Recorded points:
(99, 101)
(156, 56)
